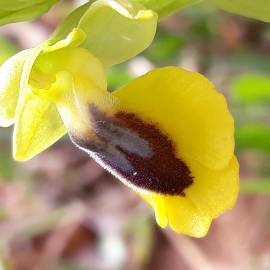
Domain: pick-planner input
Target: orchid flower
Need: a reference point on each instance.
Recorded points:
(168, 135)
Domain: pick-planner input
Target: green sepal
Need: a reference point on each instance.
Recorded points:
(38, 126)
(10, 73)
(115, 30)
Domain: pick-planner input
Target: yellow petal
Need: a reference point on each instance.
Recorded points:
(184, 217)
(180, 213)
(211, 193)
(185, 106)
(157, 202)
(214, 191)
(10, 73)
(38, 126)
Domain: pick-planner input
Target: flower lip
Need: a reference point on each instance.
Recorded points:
(135, 151)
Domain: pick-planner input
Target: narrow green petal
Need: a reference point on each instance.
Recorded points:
(259, 9)
(116, 30)
(38, 126)
(10, 74)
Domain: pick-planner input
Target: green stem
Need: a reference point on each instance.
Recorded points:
(255, 186)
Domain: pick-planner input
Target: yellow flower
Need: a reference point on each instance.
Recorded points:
(168, 135)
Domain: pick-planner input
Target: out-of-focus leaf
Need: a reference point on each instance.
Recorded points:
(251, 88)
(164, 49)
(117, 76)
(257, 9)
(165, 7)
(16, 10)
(253, 136)
(250, 61)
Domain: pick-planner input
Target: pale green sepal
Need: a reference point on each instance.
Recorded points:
(15, 11)
(117, 31)
(10, 74)
(166, 7)
(37, 127)
(257, 9)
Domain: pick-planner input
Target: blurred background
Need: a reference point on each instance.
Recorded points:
(61, 211)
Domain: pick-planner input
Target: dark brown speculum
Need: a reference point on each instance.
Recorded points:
(138, 151)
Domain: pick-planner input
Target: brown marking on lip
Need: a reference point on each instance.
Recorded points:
(138, 151)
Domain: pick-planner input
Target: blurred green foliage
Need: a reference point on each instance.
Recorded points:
(165, 48)
(252, 88)
(250, 61)
(118, 75)
(248, 89)
(253, 136)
